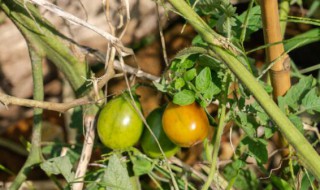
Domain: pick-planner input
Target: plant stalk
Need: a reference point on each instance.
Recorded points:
(35, 155)
(216, 140)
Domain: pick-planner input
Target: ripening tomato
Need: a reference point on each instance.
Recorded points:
(119, 125)
(185, 125)
(149, 144)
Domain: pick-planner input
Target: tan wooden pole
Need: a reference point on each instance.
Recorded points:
(280, 71)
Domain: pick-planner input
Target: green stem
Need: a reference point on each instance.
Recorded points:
(307, 155)
(284, 11)
(245, 24)
(217, 136)
(35, 155)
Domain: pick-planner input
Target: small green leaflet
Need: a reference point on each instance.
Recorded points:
(311, 102)
(59, 165)
(190, 74)
(160, 87)
(280, 183)
(211, 91)
(254, 22)
(257, 149)
(297, 122)
(116, 175)
(141, 165)
(297, 91)
(186, 63)
(179, 83)
(184, 97)
(246, 124)
(204, 79)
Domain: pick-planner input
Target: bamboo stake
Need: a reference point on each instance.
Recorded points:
(280, 71)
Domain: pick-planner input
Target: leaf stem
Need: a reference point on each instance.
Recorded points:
(35, 155)
(217, 136)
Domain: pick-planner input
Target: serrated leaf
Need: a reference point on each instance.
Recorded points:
(141, 166)
(297, 91)
(190, 74)
(258, 149)
(254, 21)
(184, 97)
(204, 79)
(297, 122)
(311, 102)
(59, 165)
(116, 175)
(246, 124)
(211, 91)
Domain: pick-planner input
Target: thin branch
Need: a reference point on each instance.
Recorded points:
(63, 107)
(59, 107)
(163, 42)
(86, 151)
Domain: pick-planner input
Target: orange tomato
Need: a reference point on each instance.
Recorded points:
(185, 125)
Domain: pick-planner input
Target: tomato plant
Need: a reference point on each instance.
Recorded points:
(149, 144)
(185, 125)
(119, 124)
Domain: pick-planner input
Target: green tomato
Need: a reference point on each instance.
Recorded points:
(119, 125)
(148, 143)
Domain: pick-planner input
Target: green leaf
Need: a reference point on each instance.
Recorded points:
(247, 124)
(254, 21)
(280, 183)
(306, 181)
(302, 39)
(257, 149)
(297, 91)
(268, 132)
(184, 97)
(141, 165)
(190, 74)
(179, 83)
(211, 91)
(186, 64)
(211, 62)
(198, 41)
(116, 175)
(204, 79)
(159, 86)
(59, 165)
(311, 102)
(297, 122)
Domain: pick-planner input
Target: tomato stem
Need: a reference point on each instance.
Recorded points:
(217, 136)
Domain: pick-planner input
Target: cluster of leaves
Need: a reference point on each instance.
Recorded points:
(302, 98)
(221, 14)
(191, 77)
